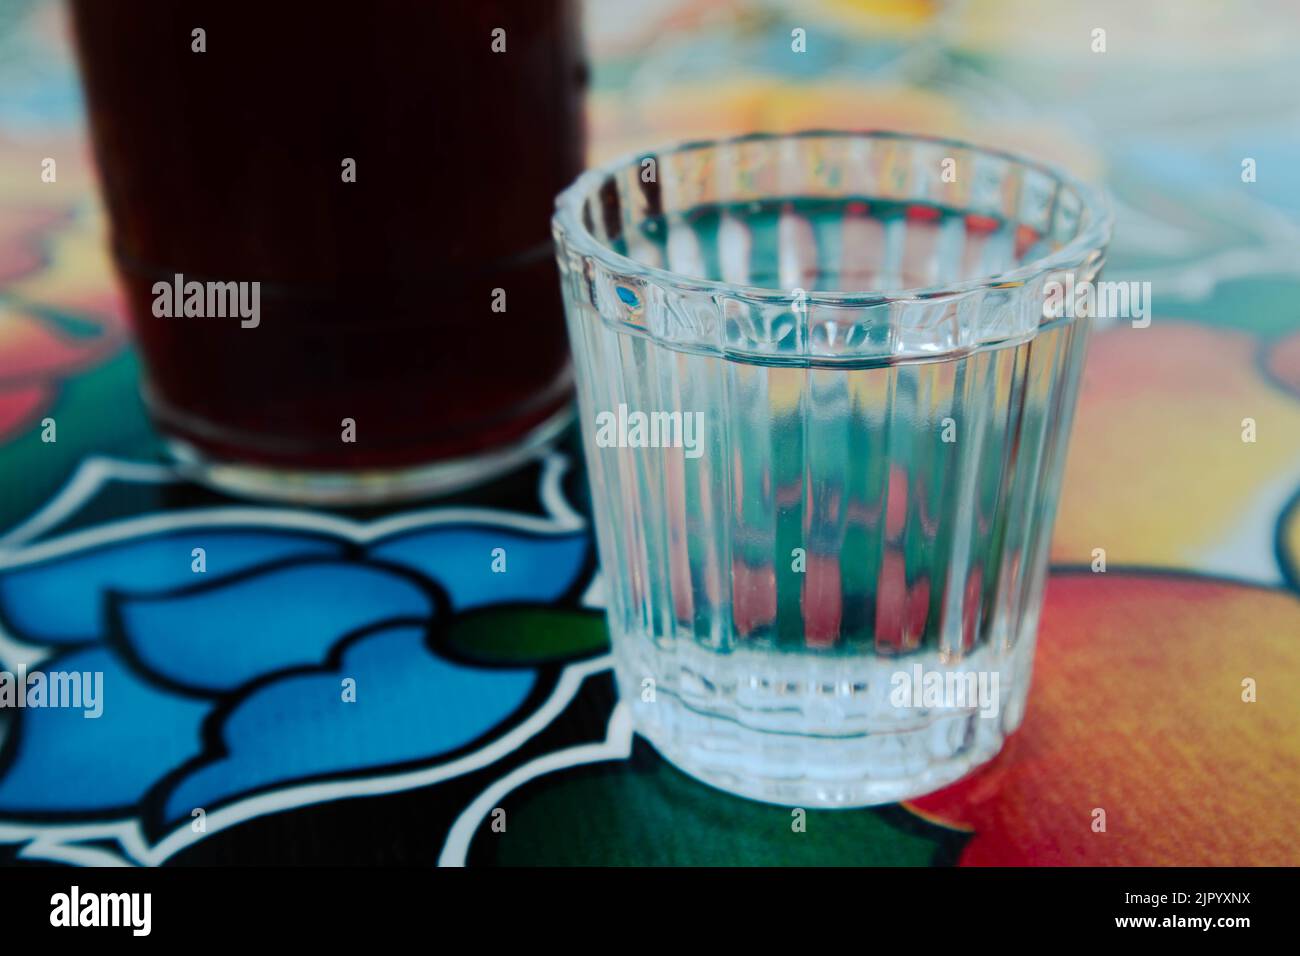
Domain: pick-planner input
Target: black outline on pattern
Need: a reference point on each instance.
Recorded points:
(150, 809)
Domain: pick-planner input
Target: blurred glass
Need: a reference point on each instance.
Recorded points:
(376, 183)
(825, 413)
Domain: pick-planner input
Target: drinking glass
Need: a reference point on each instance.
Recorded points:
(825, 408)
(376, 181)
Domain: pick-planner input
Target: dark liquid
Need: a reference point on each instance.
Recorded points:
(376, 297)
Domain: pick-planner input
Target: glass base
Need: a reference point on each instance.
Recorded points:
(364, 487)
(800, 730)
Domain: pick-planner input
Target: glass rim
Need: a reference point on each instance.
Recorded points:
(567, 222)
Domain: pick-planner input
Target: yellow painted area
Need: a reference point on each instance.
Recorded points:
(80, 274)
(625, 121)
(874, 18)
(1157, 471)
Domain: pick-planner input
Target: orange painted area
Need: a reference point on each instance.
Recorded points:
(31, 349)
(822, 601)
(35, 356)
(1136, 708)
(22, 234)
(753, 597)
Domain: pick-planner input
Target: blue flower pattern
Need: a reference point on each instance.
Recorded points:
(226, 684)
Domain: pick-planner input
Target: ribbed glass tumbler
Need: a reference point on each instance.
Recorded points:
(825, 400)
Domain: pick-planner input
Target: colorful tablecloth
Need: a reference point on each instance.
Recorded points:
(484, 727)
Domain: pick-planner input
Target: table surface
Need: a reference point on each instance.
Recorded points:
(499, 741)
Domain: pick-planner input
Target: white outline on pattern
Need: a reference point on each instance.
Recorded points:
(58, 842)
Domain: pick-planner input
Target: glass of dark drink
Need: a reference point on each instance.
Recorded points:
(332, 225)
